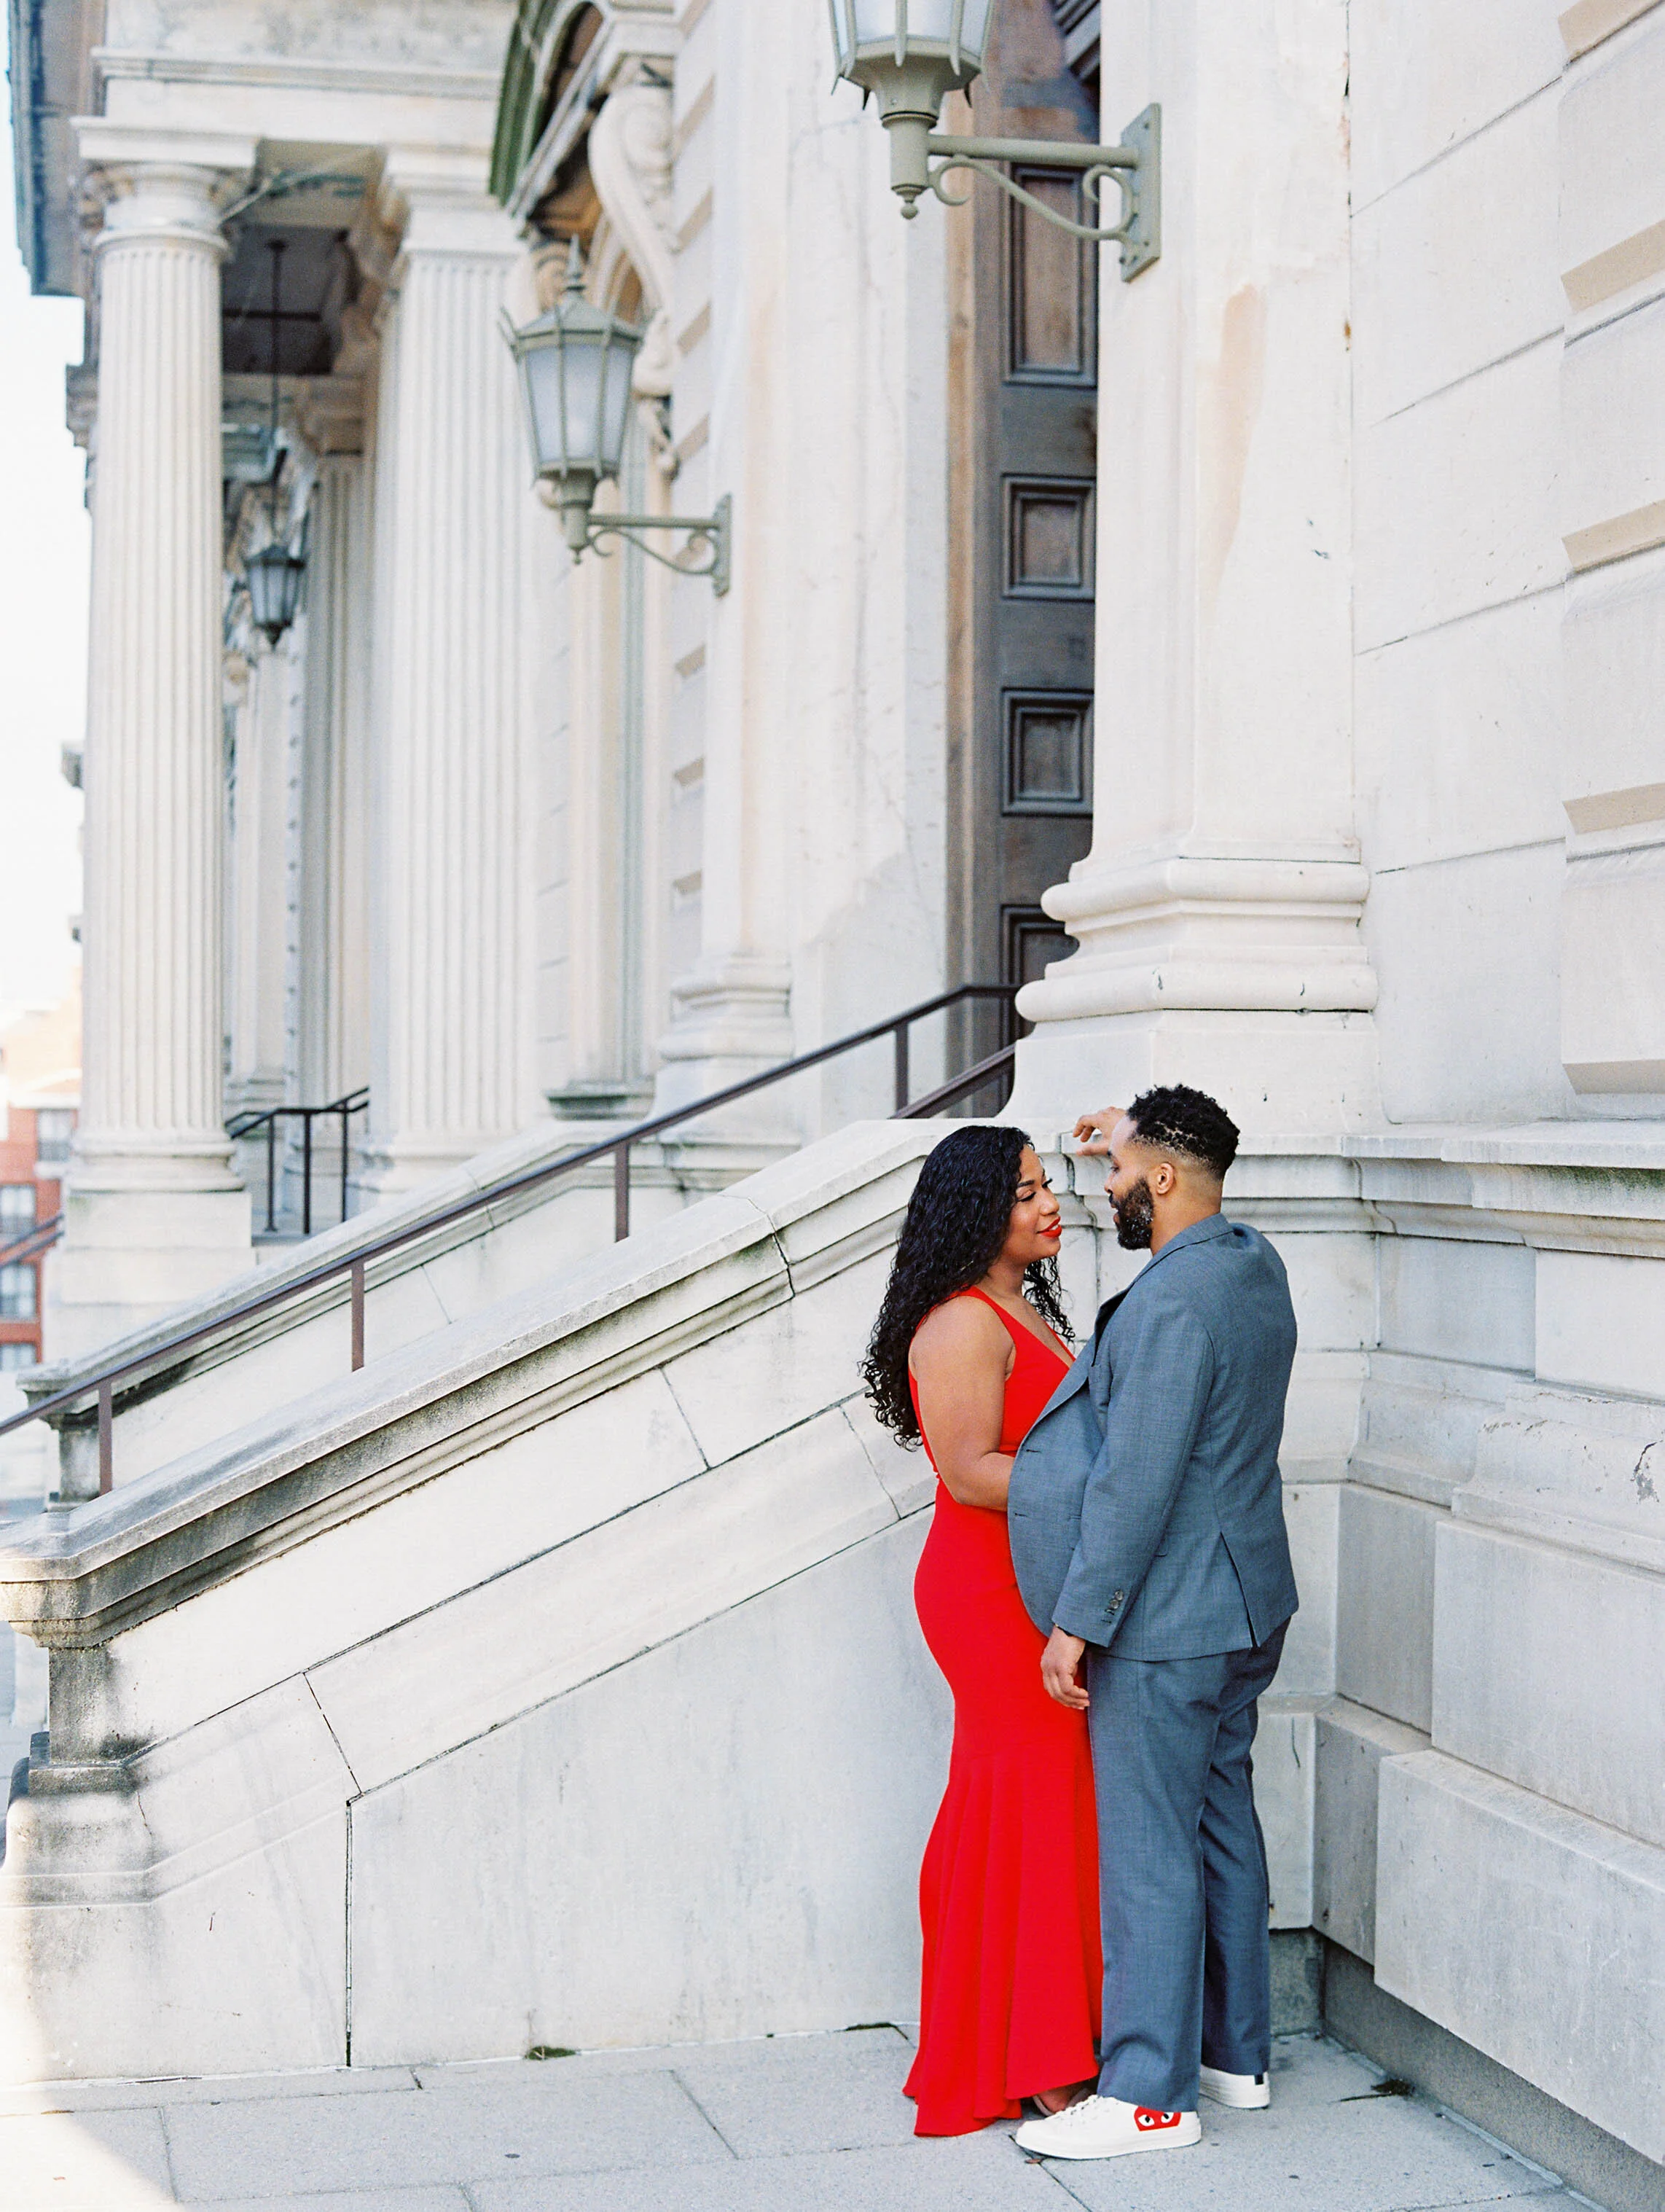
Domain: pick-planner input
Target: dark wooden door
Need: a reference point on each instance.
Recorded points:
(1022, 524)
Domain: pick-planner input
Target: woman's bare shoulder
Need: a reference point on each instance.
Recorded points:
(960, 1328)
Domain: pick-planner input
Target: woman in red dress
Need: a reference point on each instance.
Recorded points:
(967, 1350)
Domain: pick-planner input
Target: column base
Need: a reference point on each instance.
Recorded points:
(130, 1255)
(1274, 1073)
(389, 1167)
(730, 1020)
(598, 1100)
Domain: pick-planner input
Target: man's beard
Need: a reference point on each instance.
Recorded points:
(1135, 1217)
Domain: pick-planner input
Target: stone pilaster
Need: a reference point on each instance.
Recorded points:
(604, 935)
(1219, 913)
(811, 388)
(731, 1011)
(452, 1063)
(155, 1213)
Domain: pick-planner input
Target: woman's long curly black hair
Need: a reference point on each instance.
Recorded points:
(958, 1220)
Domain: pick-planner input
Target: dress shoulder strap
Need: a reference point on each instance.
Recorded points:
(1020, 1335)
(1015, 1327)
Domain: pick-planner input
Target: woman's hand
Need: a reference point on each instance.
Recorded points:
(1061, 1664)
(959, 1361)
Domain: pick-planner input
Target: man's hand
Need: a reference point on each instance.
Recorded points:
(1092, 1131)
(1059, 1662)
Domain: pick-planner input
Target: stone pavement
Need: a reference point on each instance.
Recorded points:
(810, 2123)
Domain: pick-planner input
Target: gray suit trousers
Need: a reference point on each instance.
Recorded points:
(1182, 1871)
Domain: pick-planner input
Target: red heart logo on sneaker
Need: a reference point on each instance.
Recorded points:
(1144, 2121)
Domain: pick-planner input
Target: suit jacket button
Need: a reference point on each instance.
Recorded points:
(1116, 1597)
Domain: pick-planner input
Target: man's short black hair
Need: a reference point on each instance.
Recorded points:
(1174, 1118)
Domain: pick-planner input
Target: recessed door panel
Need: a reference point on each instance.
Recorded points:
(1023, 522)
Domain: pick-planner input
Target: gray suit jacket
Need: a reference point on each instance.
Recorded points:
(1146, 1507)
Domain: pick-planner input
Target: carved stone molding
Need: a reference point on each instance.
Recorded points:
(330, 413)
(630, 164)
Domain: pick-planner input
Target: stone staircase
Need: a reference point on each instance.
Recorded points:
(550, 1680)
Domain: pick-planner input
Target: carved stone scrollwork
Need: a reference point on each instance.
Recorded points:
(630, 166)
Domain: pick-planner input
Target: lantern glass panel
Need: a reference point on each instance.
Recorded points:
(274, 580)
(619, 363)
(931, 20)
(578, 387)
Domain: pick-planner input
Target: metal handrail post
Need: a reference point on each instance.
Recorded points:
(346, 1125)
(961, 1086)
(622, 1192)
(358, 1313)
(271, 1173)
(902, 1064)
(106, 1438)
(306, 1171)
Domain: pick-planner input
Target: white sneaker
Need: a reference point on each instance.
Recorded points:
(1103, 2127)
(1244, 2093)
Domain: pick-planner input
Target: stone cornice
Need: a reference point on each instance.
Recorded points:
(1556, 1186)
(293, 72)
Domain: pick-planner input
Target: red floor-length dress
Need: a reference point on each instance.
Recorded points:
(1009, 1888)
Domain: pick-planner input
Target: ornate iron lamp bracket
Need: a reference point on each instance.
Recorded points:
(707, 552)
(1135, 167)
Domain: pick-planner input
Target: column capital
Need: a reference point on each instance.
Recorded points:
(437, 200)
(163, 184)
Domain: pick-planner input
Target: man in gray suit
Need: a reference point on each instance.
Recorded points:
(1147, 1531)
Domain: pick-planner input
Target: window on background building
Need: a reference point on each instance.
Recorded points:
(17, 1292)
(16, 1209)
(14, 1355)
(52, 1126)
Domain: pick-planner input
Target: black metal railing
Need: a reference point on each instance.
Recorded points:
(339, 1110)
(101, 1387)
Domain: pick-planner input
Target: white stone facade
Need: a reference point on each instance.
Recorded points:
(501, 838)
(1380, 807)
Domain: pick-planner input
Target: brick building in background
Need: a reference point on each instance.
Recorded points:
(40, 1095)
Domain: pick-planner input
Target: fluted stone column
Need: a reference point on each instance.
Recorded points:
(1219, 911)
(332, 988)
(451, 1061)
(256, 910)
(155, 1213)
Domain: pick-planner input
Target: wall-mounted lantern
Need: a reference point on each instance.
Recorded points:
(910, 54)
(273, 576)
(575, 365)
(276, 573)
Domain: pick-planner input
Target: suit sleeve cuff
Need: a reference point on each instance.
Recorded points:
(1077, 1620)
